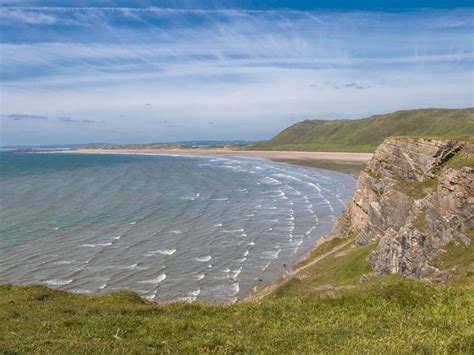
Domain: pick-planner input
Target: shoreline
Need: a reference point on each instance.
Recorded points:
(347, 163)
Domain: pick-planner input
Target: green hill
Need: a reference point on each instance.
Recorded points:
(364, 135)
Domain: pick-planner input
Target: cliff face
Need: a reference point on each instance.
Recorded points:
(414, 197)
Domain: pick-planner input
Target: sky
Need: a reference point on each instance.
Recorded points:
(160, 71)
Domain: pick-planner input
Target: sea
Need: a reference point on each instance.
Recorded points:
(169, 227)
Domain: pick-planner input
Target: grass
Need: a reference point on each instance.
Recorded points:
(324, 248)
(364, 135)
(416, 189)
(460, 256)
(460, 160)
(420, 222)
(393, 316)
(333, 270)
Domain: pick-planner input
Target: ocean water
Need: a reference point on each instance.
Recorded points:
(168, 227)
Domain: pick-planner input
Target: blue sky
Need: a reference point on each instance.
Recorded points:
(149, 71)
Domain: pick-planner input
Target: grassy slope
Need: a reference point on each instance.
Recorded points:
(364, 135)
(383, 315)
(394, 316)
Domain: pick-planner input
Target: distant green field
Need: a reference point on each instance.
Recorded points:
(364, 135)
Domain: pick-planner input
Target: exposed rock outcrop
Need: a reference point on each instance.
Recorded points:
(414, 197)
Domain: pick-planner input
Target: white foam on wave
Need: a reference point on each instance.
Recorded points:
(314, 186)
(186, 299)
(221, 199)
(155, 281)
(271, 254)
(200, 276)
(132, 223)
(63, 262)
(246, 253)
(233, 230)
(296, 244)
(195, 293)
(235, 288)
(267, 180)
(96, 245)
(218, 225)
(58, 282)
(203, 259)
(166, 252)
(191, 297)
(117, 237)
(188, 198)
(177, 231)
(289, 177)
(151, 297)
(310, 230)
(101, 287)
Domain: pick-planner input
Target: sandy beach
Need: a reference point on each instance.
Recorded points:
(274, 155)
(348, 163)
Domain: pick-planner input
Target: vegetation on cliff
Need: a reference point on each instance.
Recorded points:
(364, 135)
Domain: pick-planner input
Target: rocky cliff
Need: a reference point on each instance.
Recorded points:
(415, 196)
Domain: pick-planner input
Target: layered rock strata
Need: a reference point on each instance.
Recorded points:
(415, 196)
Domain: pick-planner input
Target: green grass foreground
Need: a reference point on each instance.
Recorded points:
(394, 316)
(322, 309)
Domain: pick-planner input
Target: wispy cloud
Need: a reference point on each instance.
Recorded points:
(32, 17)
(71, 120)
(24, 117)
(21, 117)
(135, 68)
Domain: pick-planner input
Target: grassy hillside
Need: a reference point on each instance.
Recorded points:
(364, 135)
(322, 309)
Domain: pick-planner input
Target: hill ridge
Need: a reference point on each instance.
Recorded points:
(348, 134)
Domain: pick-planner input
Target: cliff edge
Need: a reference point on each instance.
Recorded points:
(415, 197)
